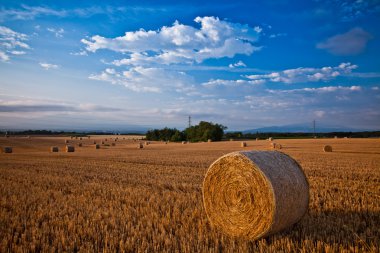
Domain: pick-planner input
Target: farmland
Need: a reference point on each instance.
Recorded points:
(120, 198)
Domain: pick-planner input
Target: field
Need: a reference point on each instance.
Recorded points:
(123, 199)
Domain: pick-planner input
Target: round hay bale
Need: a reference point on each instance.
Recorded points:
(270, 139)
(102, 142)
(231, 139)
(54, 149)
(8, 150)
(257, 139)
(279, 146)
(70, 148)
(273, 145)
(94, 142)
(140, 145)
(66, 141)
(113, 144)
(80, 138)
(243, 144)
(327, 148)
(147, 143)
(252, 194)
(184, 142)
(209, 140)
(335, 137)
(79, 144)
(97, 146)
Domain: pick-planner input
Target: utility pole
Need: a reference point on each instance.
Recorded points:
(314, 128)
(189, 121)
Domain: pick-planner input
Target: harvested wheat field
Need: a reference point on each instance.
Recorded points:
(120, 198)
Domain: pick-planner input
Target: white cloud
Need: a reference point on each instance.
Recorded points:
(320, 89)
(142, 79)
(319, 114)
(57, 32)
(230, 83)
(350, 43)
(48, 66)
(181, 43)
(80, 53)
(11, 42)
(237, 64)
(300, 75)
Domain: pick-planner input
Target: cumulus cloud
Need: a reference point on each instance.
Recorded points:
(142, 79)
(237, 64)
(352, 42)
(300, 75)
(320, 89)
(181, 43)
(11, 42)
(57, 32)
(48, 66)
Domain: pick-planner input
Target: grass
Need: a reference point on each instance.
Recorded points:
(131, 200)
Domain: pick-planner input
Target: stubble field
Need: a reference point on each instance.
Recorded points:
(123, 199)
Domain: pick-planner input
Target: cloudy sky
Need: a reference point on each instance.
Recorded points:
(244, 64)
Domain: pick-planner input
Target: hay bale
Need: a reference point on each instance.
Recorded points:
(252, 194)
(257, 139)
(8, 150)
(54, 149)
(327, 148)
(113, 144)
(270, 139)
(66, 141)
(97, 146)
(80, 138)
(79, 144)
(147, 143)
(231, 139)
(243, 144)
(70, 148)
(184, 142)
(102, 142)
(140, 145)
(209, 140)
(335, 137)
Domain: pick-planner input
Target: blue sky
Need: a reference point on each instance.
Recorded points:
(245, 64)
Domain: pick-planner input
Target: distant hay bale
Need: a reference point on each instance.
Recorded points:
(231, 139)
(88, 137)
(335, 137)
(71, 137)
(327, 148)
(279, 146)
(147, 143)
(94, 142)
(184, 142)
(253, 194)
(106, 139)
(243, 144)
(209, 140)
(113, 144)
(54, 149)
(76, 137)
(270, 139)
(102, 142)
(140, 145)
(70, 148)
(80, 138)
(79, 144)
(97, 146)
(275, 145)
(345, 137)
(66, 141)
(7, 150)
(257, 139)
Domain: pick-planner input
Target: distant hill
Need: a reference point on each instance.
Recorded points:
(303, 128)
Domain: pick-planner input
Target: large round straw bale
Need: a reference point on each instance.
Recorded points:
(140, 145)
(54, 149)
(209, 140)
(7, 150)
(80, 138)
(252, 194)
(184, 142)
(70, 148)
(147, 143)
(79, 144)
(243, 144)
(270, 139)
(66, 141)
(97, 146)
(327, 148)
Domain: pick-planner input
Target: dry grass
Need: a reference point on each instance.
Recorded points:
(150, 200)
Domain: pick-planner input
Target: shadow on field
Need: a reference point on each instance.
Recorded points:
(338, 226)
